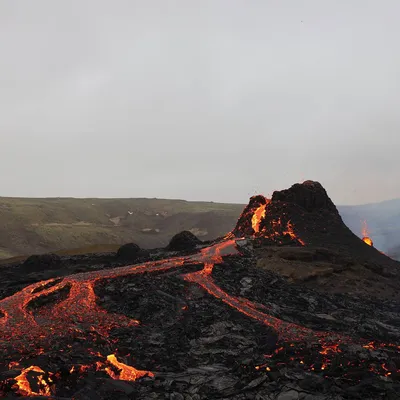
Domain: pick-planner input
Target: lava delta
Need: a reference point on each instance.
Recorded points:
(289, 305)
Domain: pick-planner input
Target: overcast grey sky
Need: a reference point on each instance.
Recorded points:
(201, 100)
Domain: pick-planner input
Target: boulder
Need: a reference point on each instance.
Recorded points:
(41, 262)
(184, 240)
(129, 252)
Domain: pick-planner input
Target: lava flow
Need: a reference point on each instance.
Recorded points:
(258, 215)
(78, 312)
(125, 372)
(286, 331)
(20, 327)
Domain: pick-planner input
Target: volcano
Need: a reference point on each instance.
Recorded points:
(289, 305)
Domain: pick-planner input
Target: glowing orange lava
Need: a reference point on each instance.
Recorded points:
(330, 348)
(366, 235)
(280, 230)
(23, 386)
(79, 312)
(289, 231)
(23, 328)
(367, 240)
(126, 373)
(258, 215)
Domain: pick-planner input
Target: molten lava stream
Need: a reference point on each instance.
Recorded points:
(20, 327)
(246, 307)
(284, 329)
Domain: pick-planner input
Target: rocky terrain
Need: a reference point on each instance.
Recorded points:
(289, 305)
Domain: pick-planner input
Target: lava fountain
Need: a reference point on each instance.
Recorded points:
(366, 235)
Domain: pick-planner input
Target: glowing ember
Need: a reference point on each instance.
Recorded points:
(13, 364)
(387, 371)
(332, 348)
(370, 346)
(289, 231)
(279, 230)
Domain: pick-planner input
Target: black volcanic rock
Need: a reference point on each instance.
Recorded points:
(184, 240)
(309, 195)
(41, 262)
(129, 251)
(310, 212)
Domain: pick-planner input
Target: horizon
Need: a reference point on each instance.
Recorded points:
(179, 199)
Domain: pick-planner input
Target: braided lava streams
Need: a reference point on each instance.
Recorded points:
(24, 329)
(20, 327)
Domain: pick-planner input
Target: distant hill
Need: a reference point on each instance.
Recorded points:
(29, 226)
(69, 225)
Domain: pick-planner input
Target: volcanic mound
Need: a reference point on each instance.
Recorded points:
(305, 215)
(210, 322)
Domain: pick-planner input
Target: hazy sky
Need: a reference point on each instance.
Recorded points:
(201, 100)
